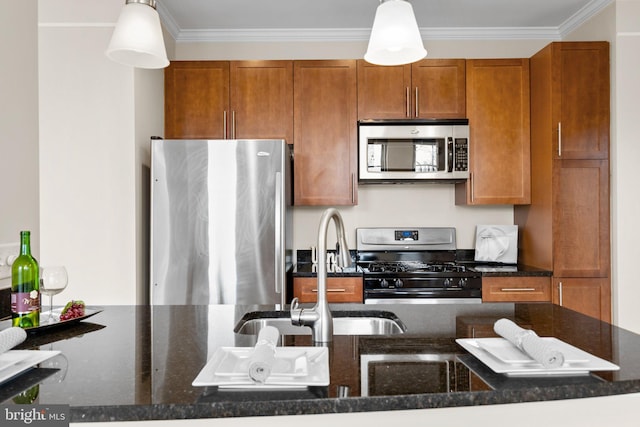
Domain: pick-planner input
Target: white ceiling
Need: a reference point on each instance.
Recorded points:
(350, 20)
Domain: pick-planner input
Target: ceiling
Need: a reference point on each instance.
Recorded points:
(351, 20)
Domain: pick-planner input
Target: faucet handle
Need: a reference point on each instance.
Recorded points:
(343, 257)
(295, 312)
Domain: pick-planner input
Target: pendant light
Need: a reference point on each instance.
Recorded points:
(137, 39)
(395, 37)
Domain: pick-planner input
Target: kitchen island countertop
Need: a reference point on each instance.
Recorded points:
(132, 363)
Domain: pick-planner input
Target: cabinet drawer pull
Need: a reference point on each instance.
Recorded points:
(517, 289)
(331, 290)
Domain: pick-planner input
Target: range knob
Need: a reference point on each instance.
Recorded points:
(462, 282)
(447, 282)
(384, 283)
(399, 283)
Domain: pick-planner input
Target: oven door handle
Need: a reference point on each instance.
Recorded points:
(450, 154)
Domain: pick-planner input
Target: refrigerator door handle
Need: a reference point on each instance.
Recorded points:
(279, 237)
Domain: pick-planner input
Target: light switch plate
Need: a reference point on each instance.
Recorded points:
(8, 252)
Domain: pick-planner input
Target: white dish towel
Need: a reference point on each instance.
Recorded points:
(11, 337)
(264, 354)
(530, 343)
(497, 243)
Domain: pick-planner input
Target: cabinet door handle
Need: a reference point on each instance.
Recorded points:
(559, 139)
(353, 188)
(471, 187)
(224, 124)
(517, 289)
(332, 290)
(233, 124)
(407, 98)
(417, 111)
(560, 293)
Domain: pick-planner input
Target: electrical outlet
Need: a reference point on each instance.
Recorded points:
(8, 253)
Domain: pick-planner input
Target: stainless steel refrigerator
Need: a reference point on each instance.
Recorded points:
(221, 222)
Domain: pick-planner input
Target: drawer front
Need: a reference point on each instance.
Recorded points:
(516, 289)
(339, 289)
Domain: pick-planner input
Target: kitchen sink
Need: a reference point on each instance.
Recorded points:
(369, 322)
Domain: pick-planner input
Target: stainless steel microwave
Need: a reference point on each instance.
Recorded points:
(393, 151)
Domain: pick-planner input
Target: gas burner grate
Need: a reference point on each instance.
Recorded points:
(414, 266)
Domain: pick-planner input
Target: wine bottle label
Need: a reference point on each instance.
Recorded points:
(25, 302)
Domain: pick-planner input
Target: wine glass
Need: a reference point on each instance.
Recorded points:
(53, 280)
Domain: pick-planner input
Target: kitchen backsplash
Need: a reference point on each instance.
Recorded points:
(420, 205)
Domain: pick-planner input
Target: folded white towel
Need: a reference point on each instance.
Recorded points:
(530, 343)
(11, 337)
(264, 354)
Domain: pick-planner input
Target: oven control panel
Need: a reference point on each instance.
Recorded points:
(403, 235)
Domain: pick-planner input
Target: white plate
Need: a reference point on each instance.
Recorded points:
(495, 353)
(229, 368)
(285, 365)
(15, 362)
(506, 352)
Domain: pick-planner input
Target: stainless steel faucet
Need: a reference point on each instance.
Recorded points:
(319, 317)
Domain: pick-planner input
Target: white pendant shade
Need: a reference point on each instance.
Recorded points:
(395, 37)
(137, 39)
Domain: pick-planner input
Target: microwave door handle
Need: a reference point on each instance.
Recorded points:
(450, 154)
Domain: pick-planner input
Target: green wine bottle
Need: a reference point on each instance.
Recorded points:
(25, 286)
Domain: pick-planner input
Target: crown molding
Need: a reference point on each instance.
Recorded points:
(362, 34)
(582, 16)
(359, 34)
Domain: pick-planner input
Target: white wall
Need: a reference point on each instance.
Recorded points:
(91, 151)
(625, 195)
(19, 123)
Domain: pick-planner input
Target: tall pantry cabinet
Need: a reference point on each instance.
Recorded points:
(566, 226)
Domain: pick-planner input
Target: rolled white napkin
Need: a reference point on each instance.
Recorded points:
(11, 337)
(530, 343)
(264, 354)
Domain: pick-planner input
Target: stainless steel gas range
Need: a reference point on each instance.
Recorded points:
(414, 265)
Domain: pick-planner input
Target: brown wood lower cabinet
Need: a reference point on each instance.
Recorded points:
(588, 295)
(339, 289)
(516, 289)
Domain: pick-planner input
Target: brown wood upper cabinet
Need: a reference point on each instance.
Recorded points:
(325, 132)
(234, 100)
(498, 109)
(580, 111)
(430, 88)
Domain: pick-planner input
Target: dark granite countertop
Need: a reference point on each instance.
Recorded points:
(132, 363)
(305, 268)
(508, 270)
(310, 270)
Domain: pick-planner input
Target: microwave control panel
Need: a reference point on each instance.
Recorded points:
(461, 150)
